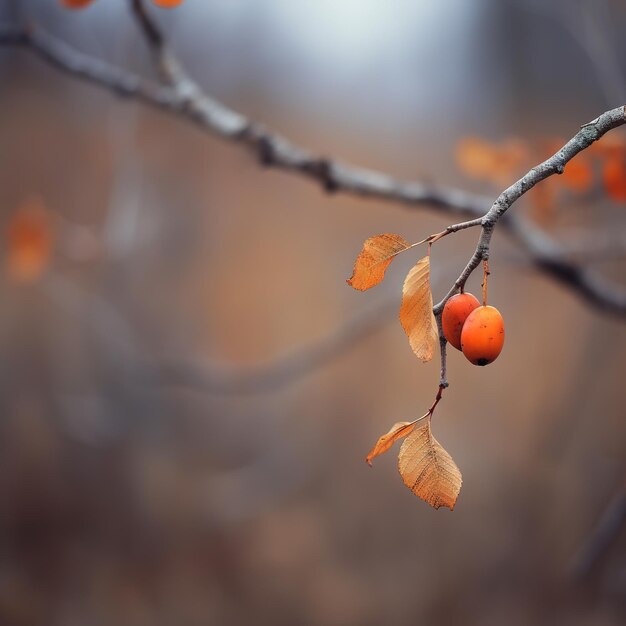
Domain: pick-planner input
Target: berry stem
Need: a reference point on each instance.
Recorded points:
(486, 273)
(438, 397)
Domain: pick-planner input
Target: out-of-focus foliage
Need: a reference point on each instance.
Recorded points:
(29, 241)
(602, 166)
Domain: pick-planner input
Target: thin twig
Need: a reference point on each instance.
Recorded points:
(165, 61)
(486, 273)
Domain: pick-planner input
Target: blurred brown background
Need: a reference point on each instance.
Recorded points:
(160, 461)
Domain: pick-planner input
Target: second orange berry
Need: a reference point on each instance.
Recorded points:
(454, 314)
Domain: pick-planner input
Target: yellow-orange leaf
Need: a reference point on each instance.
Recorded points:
(374, 258)
(416, 312)
(397, 431)
(428, 470)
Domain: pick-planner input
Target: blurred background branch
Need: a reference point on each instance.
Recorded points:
(184, 97)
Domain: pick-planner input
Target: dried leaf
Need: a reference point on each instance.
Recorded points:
(416, 312)
(374, 258)
(614, 178)
(397, 431)
(428, 470)
(29, 241)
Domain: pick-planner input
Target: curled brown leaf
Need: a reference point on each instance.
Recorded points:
(397, 431)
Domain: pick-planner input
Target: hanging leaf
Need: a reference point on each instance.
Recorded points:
(416, 312)
(374, 258)
(397, 431)
(428, 470)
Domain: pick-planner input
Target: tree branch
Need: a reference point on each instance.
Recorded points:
(187, 100)
(183, 97)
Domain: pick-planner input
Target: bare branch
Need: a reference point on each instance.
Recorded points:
(187, 101)
(547, 253)
(183, 97)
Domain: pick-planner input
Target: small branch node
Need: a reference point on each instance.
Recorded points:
(323, 169)
(266, 151)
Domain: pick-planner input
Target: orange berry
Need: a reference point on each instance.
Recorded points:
(454, 315)
(482, 336)
(75, 4)
(167, 4)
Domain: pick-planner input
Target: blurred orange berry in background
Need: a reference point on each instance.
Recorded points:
(29, 241)
(167, 4)
(75, 4)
